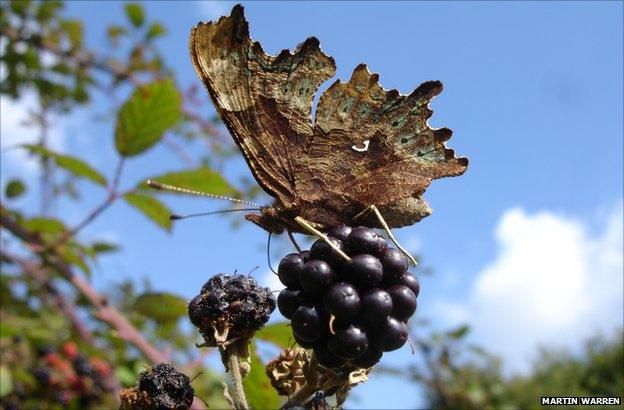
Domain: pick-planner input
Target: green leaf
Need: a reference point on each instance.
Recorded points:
(73, 29)
(151, 208)
(459, 333)
(155, 30)
(104, 247)
(14, 188)
(277, 333)
(6, 382)
(45, 225)
(142, 120)
(135, 14)
(114, 31)
(160, 306)
(125, 376)
(201, 179)
(69, 163)
(260, 394)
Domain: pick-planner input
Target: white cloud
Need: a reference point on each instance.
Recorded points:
(15, 131)
(552, 283)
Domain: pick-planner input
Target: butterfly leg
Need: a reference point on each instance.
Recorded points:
(373, 208)
(313, 231)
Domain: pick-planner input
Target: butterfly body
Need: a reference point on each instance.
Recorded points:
(366, 145)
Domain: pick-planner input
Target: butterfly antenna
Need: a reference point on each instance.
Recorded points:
(167, 187)
(175, 217)
(269, 253)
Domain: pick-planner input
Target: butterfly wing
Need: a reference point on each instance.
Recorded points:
(265, 101)
(374, 146)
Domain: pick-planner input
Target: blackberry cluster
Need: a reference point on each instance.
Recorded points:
(349, 313)
(232, 303)
(160, 387)
(66, 377)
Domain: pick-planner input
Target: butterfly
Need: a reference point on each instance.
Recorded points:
(366, 146)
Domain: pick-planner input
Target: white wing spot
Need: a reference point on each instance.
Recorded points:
(364, 149)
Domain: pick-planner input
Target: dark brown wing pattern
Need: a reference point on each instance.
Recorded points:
(369, 146)
(265, 101)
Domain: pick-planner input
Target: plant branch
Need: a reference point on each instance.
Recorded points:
(233, 362)
(105, 311)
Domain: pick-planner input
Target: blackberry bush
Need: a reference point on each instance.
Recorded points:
(349, 313)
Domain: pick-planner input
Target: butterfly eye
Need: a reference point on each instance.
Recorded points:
(362, 149)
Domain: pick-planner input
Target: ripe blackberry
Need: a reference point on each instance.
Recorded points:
(371, 357)
(365, 271)
(343, 301)
(235, 303)
(326, 358)
(394, 263)
(365, 240)
(306, 324)
(341, 233)
(316, 276)
(321, 250)
(160, 387)
(411, 282)
(390, 335)
(348, 343)
(376, 306)
(289, 268)
(288, 301)
(403, 301)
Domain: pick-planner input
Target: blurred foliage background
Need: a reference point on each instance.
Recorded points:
(65, 344)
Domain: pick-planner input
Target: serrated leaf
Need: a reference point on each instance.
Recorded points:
(142, 120)
(6, 381)
(201, 179)
(260, 394)
(277, 333)
(160, 306)
(14, 188)
(151, 208)
(69, 163)
(155, 30)
(135, 14)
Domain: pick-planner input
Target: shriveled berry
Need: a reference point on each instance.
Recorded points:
(321, 250)
(365, 240)
(341, 233)
(316, 276)
(342, 300)
(394, 263)
(411, 282)
(376, 306)
(195, 312)
(403, 301)
(365, 271)
(371, 357)
(288, 301)
(348, 343)
(306, 323)
(326, 358)
(289, 268)
(166, 387)
(390, 335)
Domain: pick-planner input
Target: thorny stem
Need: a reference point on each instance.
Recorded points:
(240, 401)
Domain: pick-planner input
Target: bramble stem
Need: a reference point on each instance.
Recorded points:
(233, 361)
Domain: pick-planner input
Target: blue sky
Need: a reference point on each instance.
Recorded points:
(526, 246)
